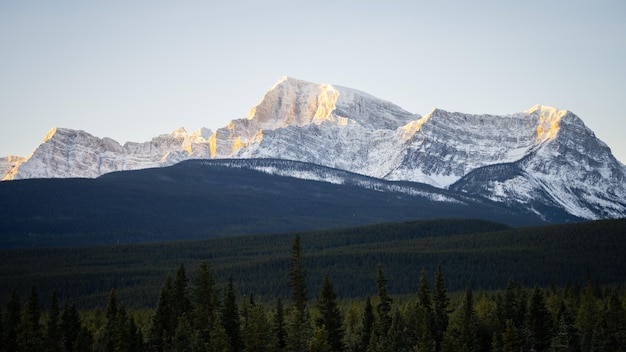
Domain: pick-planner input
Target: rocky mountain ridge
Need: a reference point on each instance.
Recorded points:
(541, 158)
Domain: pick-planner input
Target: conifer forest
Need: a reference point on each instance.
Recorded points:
(197, 310)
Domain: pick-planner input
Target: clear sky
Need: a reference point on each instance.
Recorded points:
(132, 70)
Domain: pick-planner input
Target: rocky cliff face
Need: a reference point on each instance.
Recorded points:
(72, 153)
(540, 158)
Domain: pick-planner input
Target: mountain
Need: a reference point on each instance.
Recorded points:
(211, 198)
(543, 160)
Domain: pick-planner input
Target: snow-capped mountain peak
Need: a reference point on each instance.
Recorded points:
(540, 158)
(294, 102)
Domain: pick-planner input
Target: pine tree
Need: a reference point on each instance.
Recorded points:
(561, 341)
(297, 277)
(108, 334)
(205, 302)
(53, 342)
(136, 343)
(70, 327)
(220, 341)
(12, 321)
(587, 317)
(30, 330)
(230, 317)
(299, 331)
(510, 305)
(330, 316)
(278, 327)
(182, 304)
(185, 337)
(566, 332)
(425, 328)
(352, 323)
(398, 341)
(111, 315)
(1, 330)
(368, 324)
(487, 322)
(114, 335)
(510, 340)
(610, 331)
(164, 321)
(299, 327)
(383, 308)
(319, 341)
(538, 321)
(468, 336)
(84, 341)
(440, 309)
(258, 330)
(120, 336)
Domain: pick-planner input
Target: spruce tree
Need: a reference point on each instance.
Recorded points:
(164, 321)
(120, 337)
(230, 317)
(468, 338)
(319, 340)
(30, 331)
(367, 325)
(510, 305)
(109, 332)
(136, 343)
(297, 277)
(510, 339)
(330, 316)
(299, 327)
(539, 321)
(12, 319)
(257, 330)
(205, 302)
(398, 341)
(610, 331)
(70, 327)
(440, 309)
(1, 330)
(220, 341)
(383, 308)
(53, 342)
(182, 304)
(587, 317)
(185, 337)
(425, 328)
(84, 341)
(562, 340)
(278, 327)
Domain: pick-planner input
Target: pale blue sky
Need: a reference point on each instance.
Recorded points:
(131, 70)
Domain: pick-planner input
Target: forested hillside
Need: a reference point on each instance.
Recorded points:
(200, 199)
(477, 254)
(200, 312)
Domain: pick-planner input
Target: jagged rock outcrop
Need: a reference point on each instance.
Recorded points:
(68, 153)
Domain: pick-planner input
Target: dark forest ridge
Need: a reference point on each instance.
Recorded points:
(199, 199)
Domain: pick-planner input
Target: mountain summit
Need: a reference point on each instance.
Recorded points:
(539, 159)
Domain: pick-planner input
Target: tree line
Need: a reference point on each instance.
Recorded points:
(197, 315)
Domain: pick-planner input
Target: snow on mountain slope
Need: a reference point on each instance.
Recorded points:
(295, 109)
(314, 172)
(71, 153)
(444, 146)
(540, 158)
(9, 164)
(570, 168)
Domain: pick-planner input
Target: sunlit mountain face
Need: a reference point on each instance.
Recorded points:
(538, 160)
